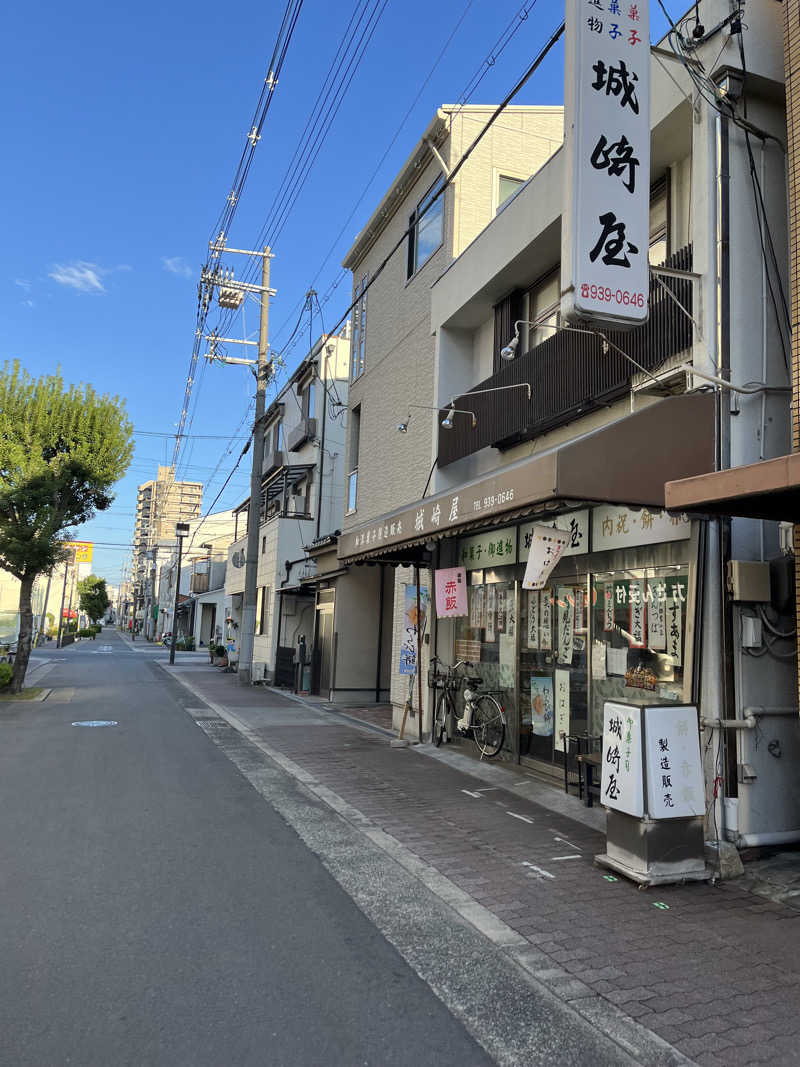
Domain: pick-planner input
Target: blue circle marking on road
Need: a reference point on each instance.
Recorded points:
(96, 722)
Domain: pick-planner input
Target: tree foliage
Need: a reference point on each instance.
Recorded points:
(62, 448)
(93, 596)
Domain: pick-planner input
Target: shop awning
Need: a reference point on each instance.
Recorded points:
(766, 490)
(627, 462)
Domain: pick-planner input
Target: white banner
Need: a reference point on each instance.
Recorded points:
(491, 603)
(562, 709)
(533, 619)
(605, 224)
(565, 617)
(575, 523)
(545, 621)
(636, 608)
(674, 772)
(546, 549)
(674, 630)
(656, 618)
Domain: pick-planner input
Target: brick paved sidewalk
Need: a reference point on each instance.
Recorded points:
(715, 971)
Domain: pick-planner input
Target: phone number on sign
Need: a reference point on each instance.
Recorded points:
(505, 497)
(613, 296)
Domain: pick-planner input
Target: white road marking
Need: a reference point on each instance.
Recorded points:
(554, 858)
(564, 841)
(522, 818)
(539, 870)
(488, 789)
(469, 794)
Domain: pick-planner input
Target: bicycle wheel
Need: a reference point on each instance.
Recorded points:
(488, 725)
(439, 731)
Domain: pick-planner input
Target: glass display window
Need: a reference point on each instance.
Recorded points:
(638, 636)
(487, 635)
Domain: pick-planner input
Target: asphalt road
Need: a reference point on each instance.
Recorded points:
(154, 909)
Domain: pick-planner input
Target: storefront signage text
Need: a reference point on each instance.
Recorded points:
(497, 548)
(621, 785)
(576, 524)
(605, 221)
(614, 527)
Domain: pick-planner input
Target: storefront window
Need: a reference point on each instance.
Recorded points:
(639, 627)
(487, 635)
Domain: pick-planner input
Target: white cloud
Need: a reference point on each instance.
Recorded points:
(85, 277)
(23, 283)
(177, 265)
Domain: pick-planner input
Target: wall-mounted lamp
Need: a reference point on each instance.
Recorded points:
(447, 421)
(510, 349)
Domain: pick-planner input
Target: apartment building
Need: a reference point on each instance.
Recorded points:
(303, 475)
(585, 430)
(160, 504)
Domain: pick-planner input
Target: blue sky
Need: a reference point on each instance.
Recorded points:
(122, 129)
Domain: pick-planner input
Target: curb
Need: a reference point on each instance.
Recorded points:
(545, 980)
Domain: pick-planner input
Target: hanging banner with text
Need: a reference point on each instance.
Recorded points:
(546, 549)
(605, 224)
(451, 592)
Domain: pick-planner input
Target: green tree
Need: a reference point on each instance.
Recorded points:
(62, 448)
(93, 597)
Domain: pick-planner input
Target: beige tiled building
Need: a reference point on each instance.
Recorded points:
(393, 367)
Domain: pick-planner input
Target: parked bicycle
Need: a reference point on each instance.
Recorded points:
(483, 719)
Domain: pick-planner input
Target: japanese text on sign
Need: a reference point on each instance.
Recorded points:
(605, 222)
(621, 779)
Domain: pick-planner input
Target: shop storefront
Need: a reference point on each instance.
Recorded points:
(615, 622)
(617, 617)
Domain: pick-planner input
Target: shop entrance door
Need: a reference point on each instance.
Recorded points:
(553, 668)
(322, 662)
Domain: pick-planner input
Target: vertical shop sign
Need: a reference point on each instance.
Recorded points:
(546, 549)
(636, 608)
(545, 620)
(533, 619)
(491, 607)
(501, 611)
(565, 620)
(475, 597)
(656, 616)
(674, 771)
(451, 592)
(674, 628)
(542, 705)
(608, 607)
(508, 644)
(408, 648)
(621, 777)
(605, 220)
(580, 600)
(562, 709)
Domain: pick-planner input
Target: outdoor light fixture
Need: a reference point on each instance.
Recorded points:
(402, 427)
(447, 421)
(510, 349)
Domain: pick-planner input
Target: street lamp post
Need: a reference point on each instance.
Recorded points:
(181, 531)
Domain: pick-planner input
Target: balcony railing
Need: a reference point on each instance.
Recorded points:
(570, 375)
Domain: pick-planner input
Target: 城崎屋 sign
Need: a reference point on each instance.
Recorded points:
(605, 226)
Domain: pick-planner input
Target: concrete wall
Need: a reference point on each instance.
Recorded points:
(356, 624)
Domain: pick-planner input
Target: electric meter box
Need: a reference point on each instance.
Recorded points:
(749, 580)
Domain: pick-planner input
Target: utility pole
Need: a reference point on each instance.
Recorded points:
(231, 294)
(63, 598)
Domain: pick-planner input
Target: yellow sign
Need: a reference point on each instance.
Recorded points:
(82, 550)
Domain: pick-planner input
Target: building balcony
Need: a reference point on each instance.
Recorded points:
(198, 583)
(571, 375)
(306, 430)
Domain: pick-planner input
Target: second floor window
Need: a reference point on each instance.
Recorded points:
(506, 187)
(355, 445)
(359, 346)
(426, 228)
